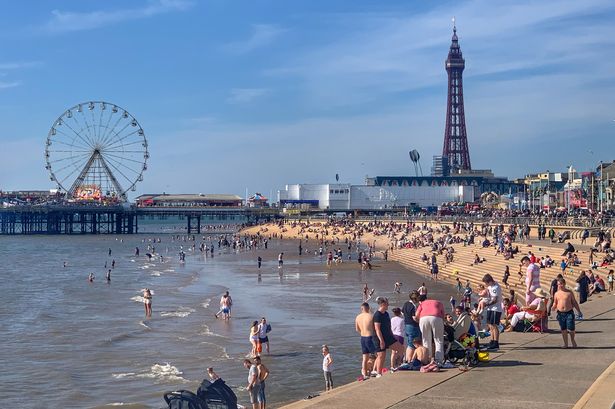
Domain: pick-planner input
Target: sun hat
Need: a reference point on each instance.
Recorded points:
(539, 292)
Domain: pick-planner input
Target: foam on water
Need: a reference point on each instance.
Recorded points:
(181, 312)
(156, 273)
(206, 303)
(137, 298)
(159, 372)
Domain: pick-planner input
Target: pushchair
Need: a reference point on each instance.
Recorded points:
(210, 395)
(462, 351)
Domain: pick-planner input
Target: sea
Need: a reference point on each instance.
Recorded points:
(70, 343)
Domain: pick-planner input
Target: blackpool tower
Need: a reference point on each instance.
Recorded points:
(455, 137)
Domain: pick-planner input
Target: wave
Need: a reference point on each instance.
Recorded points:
(159, 372)
(208, 332)
(143, 324)
(156, 273)
(206, 303)
(137, 298)
(181, 312)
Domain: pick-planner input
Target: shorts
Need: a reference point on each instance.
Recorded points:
(263, 340)
(261, 393)
(226, 310)
(255, 394)
(367, 345)
(493, 317)
(422, 297)
(387, 343)
(399, 338)
(411, 333)
(566, 320)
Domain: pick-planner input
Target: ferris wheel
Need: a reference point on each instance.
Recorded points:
(96, 150)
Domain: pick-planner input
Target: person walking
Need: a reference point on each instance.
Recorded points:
(430, 315)
(565, 303)
(583, 282)
(327, 367)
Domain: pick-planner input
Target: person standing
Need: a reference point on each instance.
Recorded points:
(532, 279)
(430, 315)
(147, 302)
(422, 292)
(263, 374)
(552, 291)
(411, 326)
(263, 329)
(254, 340)
(565, 303)
(583, 281)
(280, 260)
(384, 335)
(494, 310)
(259, 260)
(327, 367)
(253, 386)
(364, 325)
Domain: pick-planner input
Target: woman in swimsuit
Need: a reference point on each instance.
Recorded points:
(254, 339)
(147, 302)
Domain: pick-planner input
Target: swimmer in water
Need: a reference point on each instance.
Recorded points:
(108, 276)
(147, 302)
(64, 264)
(112, 263)
(91, 277)
(365, 292)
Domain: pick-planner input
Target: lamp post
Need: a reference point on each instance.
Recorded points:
(600, 189)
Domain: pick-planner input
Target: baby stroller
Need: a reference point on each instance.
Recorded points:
(210, 395)
(464, 350)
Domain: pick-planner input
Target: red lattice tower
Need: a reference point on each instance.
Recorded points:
(455, 137)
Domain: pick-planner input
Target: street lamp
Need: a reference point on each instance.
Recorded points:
(600, 190)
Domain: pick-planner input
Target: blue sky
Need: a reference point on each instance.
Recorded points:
(256, 94)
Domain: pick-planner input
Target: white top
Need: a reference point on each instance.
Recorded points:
(397, 326)
(325, 360)
(262, 330)
(495, 294)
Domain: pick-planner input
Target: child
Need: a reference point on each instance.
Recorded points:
(327, 366)
(467, 295)
(483, 295)
(421, 354)
(609, 280)
(459, 286)
(212, 375)
(563, 266)
(477, 318)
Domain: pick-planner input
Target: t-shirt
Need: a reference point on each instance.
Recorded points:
(409, 310)
(513, 309)
(532, 279)
(253, 374)
(433, 308)
(262, 330)
(385, 326)
(495, 294)
(324, 364)
(397, 325)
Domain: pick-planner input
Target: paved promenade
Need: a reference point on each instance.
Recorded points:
(530, 370)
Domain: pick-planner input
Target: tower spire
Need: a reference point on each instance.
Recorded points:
(455, 137)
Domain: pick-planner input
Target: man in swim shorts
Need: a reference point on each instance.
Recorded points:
(364, 325)
(565, 303)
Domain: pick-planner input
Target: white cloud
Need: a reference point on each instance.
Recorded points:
(6, 66)
(243, 95)
(9, 84)
(63, 21)
(262, 35)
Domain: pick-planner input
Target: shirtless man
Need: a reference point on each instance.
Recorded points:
(225, 306)
(364, 324)
(565, 303)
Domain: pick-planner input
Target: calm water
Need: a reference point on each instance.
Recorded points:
(68, 343)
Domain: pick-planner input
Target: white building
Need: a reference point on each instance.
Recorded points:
(342, 196)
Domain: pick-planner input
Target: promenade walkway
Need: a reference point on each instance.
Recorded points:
(530, 370)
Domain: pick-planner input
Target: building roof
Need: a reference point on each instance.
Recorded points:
(191, 197)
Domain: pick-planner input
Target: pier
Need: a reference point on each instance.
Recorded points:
(120, 219)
